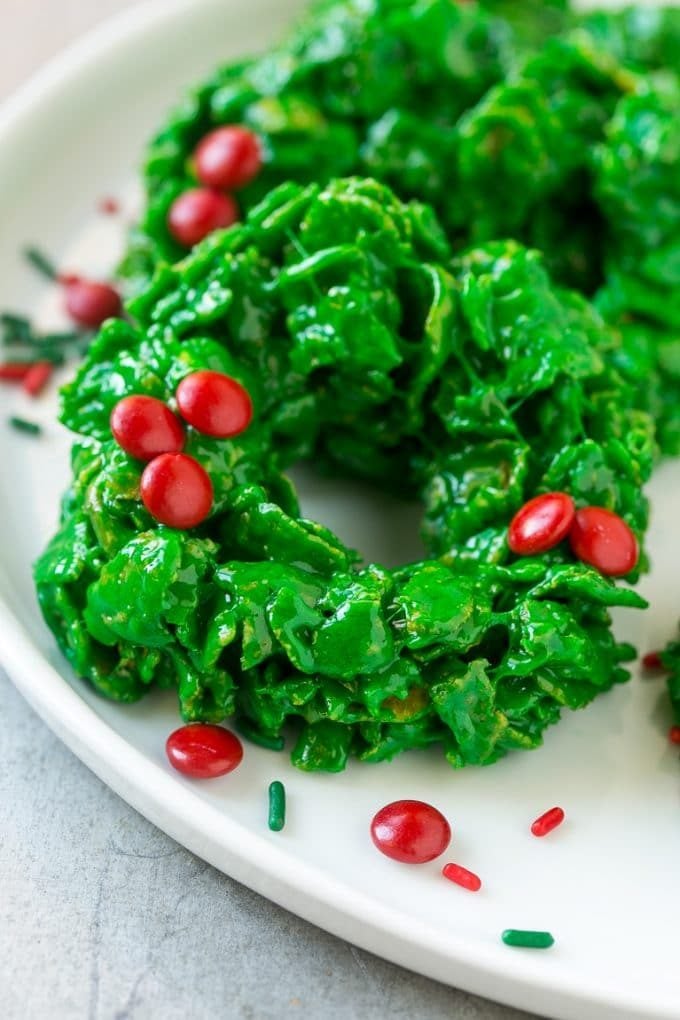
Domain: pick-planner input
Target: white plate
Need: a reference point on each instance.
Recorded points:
(607, 884)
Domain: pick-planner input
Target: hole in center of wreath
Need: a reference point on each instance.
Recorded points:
(383, 528)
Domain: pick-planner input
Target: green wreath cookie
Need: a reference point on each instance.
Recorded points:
(472, 383)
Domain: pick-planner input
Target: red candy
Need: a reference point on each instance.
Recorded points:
(145, 427)
(229, 157)
(90, 303)
(203, 751)
(604, 540)
(109, 205)
(215, 404)
(177, 491)
(541, 524)
(652, 661)
(37, 378)
(674, 734)
(461, 876)
(547, 822)
(14, 371)
(198, 212)
(410, 831)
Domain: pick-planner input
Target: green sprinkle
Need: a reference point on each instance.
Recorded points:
(528, 939)
(256, 737)
(21, 425)
(277, 806)
(41, 262)
(16, 324)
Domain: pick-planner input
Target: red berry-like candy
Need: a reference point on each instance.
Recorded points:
(90, 303)
(215, 404)
(198, 212)
(203, 751)
(177, 491)
(674, 734)
(541, 524)
(229, 158)
(604, 540)
(145, 427)
(410, 831)
(652, 661)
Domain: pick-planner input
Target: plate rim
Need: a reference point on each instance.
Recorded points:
(168, 801)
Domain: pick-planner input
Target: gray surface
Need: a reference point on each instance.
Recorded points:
(101, 915)
(104, 917)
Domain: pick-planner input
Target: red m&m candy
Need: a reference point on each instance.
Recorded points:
(410, 831)
(90, 303)
(215, 404)
(541, 524)
(204, 751)
(146, 427)
(603, 539)
(199, 211)
(228, 157)
(177, 491)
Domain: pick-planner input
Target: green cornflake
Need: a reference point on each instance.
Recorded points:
(272, 743)
(277, 806)
(22, 425)
(527, 939)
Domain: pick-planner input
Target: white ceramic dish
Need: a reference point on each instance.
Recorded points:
(606, 884)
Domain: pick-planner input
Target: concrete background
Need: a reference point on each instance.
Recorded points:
(101, 915)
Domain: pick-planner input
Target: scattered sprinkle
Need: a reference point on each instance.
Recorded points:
(277, 806)
(674, 734)
(21, 344)
(41, 262)
(258, 738)
(652, 661)
(14, 371)
(461, 876)
(548, 821)
(37, 377)
(528, 939)
(108, 205)
(31, 428)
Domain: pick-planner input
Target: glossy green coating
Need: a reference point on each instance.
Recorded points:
(528, 939)
(670, 658)
(512, 118)
(277, 806)
(472, 382)
(362, 87)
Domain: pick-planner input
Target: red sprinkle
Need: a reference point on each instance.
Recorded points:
(197, 212)
(177, 491)
(37, 378)
(215, 404)
(146, 427)
(461, 876)
(674, 734)
(410, 831)
(204, 751)
(604, 540)
(541, 524)
(108, 205)
(14, 372)
(652, 661)
(228, 158)
(547, 822)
